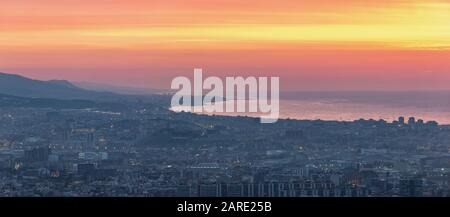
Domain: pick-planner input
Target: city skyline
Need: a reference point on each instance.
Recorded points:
(243, 100)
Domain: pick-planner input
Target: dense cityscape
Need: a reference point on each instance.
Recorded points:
(144, 149)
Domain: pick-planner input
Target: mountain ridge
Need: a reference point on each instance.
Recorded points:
(18, 85)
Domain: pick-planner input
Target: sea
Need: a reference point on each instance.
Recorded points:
(355, 105)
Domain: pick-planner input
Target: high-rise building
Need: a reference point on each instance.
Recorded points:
(37, 154)
(410, 187)
(401, 120)
(411, 121)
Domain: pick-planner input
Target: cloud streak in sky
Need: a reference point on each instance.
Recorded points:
(348, 40)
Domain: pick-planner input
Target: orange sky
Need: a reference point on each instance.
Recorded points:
(310, 44)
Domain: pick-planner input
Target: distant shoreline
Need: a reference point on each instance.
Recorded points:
(341, 109)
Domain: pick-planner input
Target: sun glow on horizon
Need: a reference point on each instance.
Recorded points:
(94, 36)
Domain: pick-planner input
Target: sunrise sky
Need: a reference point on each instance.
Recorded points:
(310, 44)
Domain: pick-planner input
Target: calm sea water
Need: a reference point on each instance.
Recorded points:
(349, 106)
